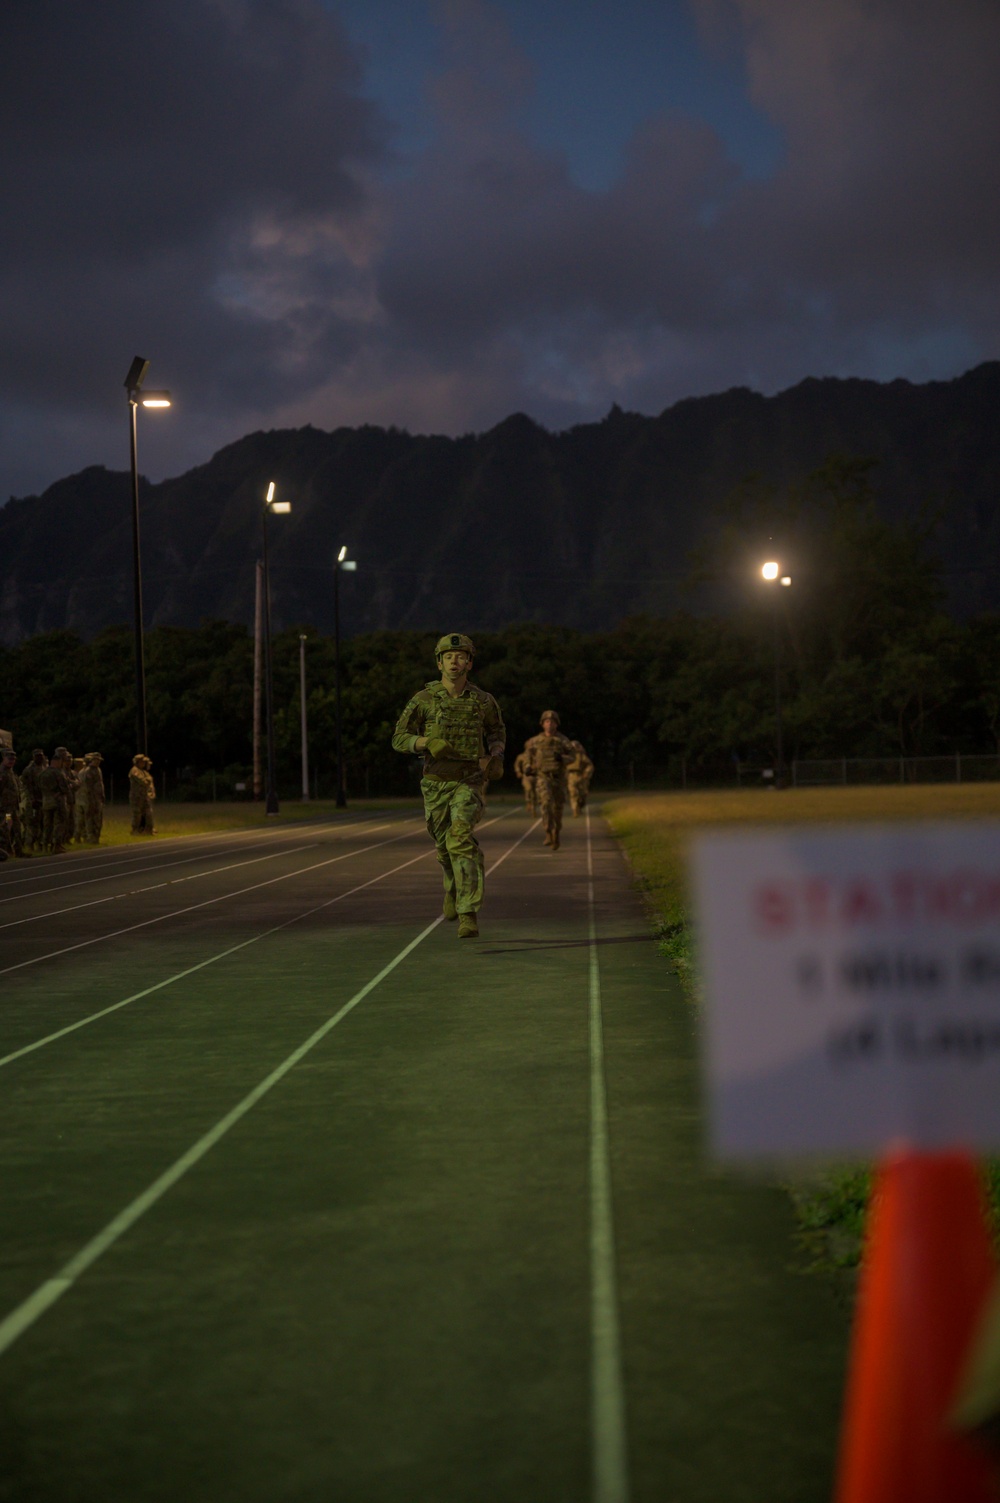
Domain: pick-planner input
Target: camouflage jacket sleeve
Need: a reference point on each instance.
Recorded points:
(494, 730)
(410, 725)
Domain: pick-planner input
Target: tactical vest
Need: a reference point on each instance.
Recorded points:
(549, 753)
(460, 722)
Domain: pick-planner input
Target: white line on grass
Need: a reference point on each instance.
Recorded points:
(609, 1453)
(94, 1017)
(141, 868)
(193, 907)
(142, 864)
(134, 892)
(28, 1311)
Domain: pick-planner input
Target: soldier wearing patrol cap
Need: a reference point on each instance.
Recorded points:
(460, 731)
(91, 795)
(550, 754)
(141, 793)
(11, 842)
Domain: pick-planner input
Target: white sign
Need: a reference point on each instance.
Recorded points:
(853, 987)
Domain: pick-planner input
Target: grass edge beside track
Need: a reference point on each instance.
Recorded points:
(654, 831)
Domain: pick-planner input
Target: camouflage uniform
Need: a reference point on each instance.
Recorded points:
(32, 792)
(141, 793)
(75, 802)
(91, 797)
(550, 756)
(11, 840)
(578, 776)
(454, 783)
(55, 802)
(522, 770)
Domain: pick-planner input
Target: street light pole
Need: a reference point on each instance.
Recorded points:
(341, 562)
(133, 386)
(772, 573)
(302, 703)
(271, 791)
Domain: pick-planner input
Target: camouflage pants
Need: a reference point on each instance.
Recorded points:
(54, 822)
(528, 784)
(551, 793)
(577, 785)
(142, 817)
(11, 835)
(33, 822)
(79, 820)
(452, 811)
(93, 822)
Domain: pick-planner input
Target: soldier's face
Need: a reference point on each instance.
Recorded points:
(549, 726)
(455, 664)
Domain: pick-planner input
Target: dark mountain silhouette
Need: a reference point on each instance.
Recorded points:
(577, 528)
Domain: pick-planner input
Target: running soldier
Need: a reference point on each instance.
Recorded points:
(11, 838)
(578, 776)
(91, 795)
(550, 754)
(141, 793)
(460, 731)
(522, 770)
(55, 802)
(32, 790)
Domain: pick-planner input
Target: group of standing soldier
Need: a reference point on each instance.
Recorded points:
(550, 768)
(53, 802)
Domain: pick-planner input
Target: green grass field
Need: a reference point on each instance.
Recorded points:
(656, 830)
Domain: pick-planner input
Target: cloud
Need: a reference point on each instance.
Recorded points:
(206, 183)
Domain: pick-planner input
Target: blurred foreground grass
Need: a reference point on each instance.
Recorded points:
(656, 829)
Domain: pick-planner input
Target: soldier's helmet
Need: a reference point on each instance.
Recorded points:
(77, 764)
(62, 751)
(548, 715)
(139, 759)
(38, 754)
(93, 757)
(455, 641)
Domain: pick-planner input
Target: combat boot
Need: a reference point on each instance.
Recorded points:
(450, 911)
(555, 842)
(468, 928)
(548, 838)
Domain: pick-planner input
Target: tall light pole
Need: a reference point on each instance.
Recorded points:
(771, 571)
(302, 704)
(280, 508)
(350, 564)
(136, 397)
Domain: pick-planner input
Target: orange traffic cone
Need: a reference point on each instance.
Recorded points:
(927, 1272)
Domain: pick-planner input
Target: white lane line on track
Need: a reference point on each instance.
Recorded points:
(238, 892)
(51, 1038)
(289, 832)
(28, 1311)
(134, 892)
(609, 1445)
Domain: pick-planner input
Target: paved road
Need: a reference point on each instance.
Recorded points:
(303, 1198)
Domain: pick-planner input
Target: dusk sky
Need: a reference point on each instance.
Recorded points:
(433, 213)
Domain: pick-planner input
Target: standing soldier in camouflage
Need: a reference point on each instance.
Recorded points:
(459, 729)
(141, 793)
(91, 793)
(550, 754)
(76, 803)
(578, 776)
(11, 838)
(55, 802)
(522, 770)
(32, 790)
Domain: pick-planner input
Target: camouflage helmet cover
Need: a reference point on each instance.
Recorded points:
(93, 757)
(140, 759)
(63, 752)
(455, 641)
(548, 715)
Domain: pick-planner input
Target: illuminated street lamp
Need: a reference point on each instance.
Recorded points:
(136, 398)
(280, 509)
(350, 564)
(771, 572)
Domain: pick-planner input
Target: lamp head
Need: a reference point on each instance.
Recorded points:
(136, 374)
(770, 570)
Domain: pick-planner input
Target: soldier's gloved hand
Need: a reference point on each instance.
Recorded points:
(494, 768)
(442, 750)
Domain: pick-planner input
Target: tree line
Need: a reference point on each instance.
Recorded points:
(869, 664)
